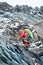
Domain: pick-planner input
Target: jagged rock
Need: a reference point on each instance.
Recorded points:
(5, 7)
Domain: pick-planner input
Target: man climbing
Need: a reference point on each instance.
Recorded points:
(26, 35)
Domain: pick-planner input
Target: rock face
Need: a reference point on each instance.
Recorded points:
(11, 54)
(39, 29)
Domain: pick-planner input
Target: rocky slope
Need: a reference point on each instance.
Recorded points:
(11, 54)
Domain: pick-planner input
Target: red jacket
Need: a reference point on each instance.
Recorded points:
(23, 34)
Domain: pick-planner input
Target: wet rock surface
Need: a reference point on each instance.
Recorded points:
(11, 54)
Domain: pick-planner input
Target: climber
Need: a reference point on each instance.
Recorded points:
(26, 35)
